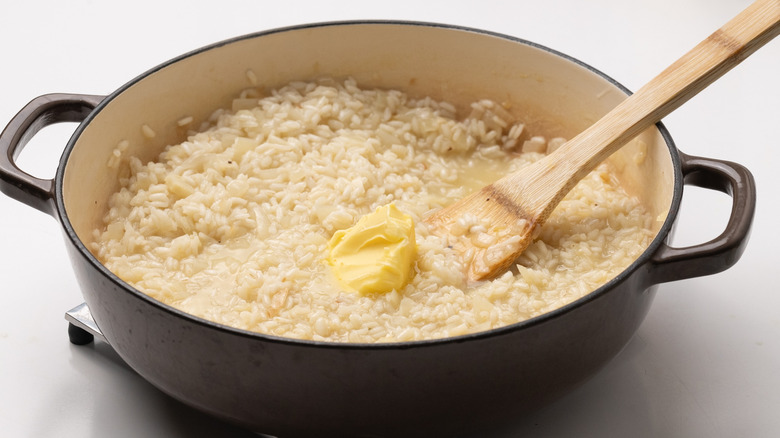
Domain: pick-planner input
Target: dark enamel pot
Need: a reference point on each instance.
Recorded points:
(434, 388)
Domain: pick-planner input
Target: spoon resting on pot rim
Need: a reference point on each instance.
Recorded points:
(513, 209)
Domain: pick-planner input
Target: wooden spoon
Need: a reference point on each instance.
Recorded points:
(512, 210)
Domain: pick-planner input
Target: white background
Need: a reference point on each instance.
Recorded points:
(705, 363)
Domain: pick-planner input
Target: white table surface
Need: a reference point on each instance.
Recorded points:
(706, 361)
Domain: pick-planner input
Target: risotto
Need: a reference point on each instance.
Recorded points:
(232, 225)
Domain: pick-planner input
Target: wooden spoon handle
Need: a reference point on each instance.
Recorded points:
(709, 60)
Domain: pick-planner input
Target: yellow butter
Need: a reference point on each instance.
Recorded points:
(375, 255)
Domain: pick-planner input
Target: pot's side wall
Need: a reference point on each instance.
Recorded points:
(550, 94)
(299, 389)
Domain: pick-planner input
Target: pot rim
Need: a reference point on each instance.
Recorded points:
(643, 259)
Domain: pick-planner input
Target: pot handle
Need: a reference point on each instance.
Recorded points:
(722, 252)
(40, 112)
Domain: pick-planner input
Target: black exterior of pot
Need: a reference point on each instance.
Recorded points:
(293, 388)
(448, 387)
(452, 387)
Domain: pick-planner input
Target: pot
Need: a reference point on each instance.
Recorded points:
(289, 387)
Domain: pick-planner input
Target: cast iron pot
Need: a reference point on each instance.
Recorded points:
(442, 387)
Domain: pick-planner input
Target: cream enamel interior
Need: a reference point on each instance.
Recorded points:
(551, 94)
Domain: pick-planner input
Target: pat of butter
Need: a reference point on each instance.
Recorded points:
(375, 255)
